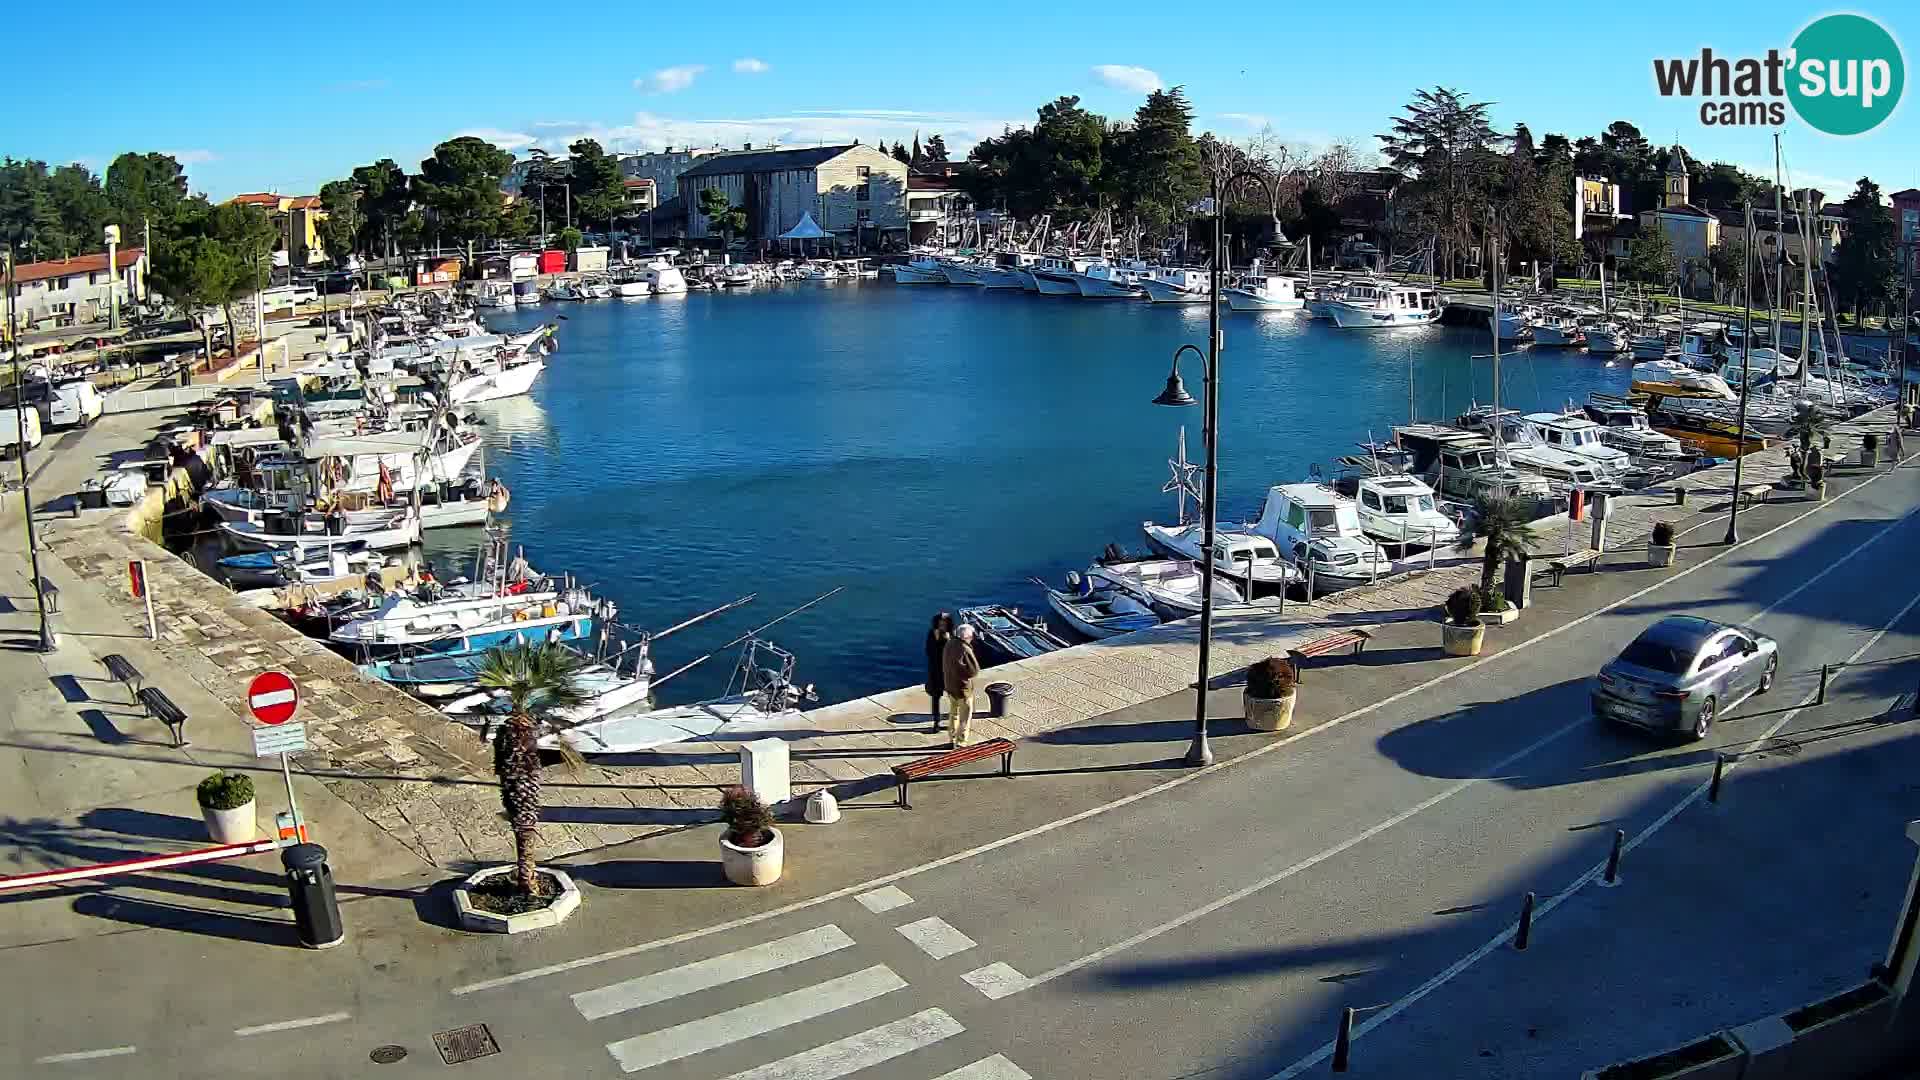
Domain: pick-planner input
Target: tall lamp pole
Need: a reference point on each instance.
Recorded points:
(20, 408)
(1200, 752)
(1746, 375)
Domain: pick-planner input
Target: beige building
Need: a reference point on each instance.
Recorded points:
(856, 193)
(65, 292)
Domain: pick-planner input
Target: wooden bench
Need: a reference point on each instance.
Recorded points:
(1753, 493)
(1322, 646)
(122, 671)
(925, 767)
(1559, 567)
(161, 707)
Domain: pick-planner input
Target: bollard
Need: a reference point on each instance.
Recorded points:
(1719, 766)
(1680, 495)
(1826, 672)
(1343, 1042)
(316, 912)
(1525, 929)
(998, 694)
(1613, 858)
(1309, 577)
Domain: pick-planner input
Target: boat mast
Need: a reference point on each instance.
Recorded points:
(1806, 289)
(1493, 243)
(1779, 255)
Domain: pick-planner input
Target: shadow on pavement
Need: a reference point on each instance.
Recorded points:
(1161, 731)
(145, 823)
(652, 874)
(625, 815)
(161, 916)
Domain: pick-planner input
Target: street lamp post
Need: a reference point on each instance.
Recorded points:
(1746, 378)
(1200, 752)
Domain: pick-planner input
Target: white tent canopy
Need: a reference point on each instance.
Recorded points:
(805, 229)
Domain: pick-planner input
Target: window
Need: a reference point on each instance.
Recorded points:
(1296, 516)
(862, 171)
(1720, 652)
(1655, 656)
(1323, 521)
(864, 191)
(1396, 504)
(1372, 501)
(863, 215)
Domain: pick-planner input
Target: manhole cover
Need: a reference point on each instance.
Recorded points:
(464, 1044)
(387, 1055)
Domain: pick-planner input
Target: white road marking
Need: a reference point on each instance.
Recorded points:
(884, 899)
(704, 975)
(84, 1055)
(996, 981)
(856, 1052)
(758, 1018)
(936, 937)
(1506, 935)
(289, 1025)
(988, 1068)
(1162, 788)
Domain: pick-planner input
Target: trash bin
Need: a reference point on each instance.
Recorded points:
(316, 913)
(998, 694)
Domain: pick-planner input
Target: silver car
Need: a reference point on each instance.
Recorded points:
(1682, 672)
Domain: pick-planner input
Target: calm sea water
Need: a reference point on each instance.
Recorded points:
(926, 447)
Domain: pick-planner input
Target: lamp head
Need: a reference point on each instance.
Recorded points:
(1176, 391)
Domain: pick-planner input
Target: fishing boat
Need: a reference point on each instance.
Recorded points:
(1606, 338)
(1624, 426)
(1559, 327)
(1238, 555)
(603, 688)
(1177, 286)
(1058, 275)
(1105, 280)
(1523, 448)
(1582, 437)
(760, 696)
(1259, 291)
(1170, 587)
(920, 269)
(403, 624)
(1381, 306)
(1321, 529)
(311, 534)
(1393, 506)
(1007, 634)
(1095, 612)
(259, 569)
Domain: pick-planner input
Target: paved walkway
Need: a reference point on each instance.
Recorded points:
(426, 782)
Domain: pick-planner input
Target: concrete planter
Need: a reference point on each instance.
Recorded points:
(753, 865)
(1269, 714)
(1715, 1057)
(1843, 1035)
(1661, 554)
(235, 826)
(487, 922)
(1462, 640)
(1511, 613)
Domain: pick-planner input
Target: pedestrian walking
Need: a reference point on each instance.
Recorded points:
(937, 636)
(961, 667)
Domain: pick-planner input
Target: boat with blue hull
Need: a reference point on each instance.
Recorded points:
(405, 626)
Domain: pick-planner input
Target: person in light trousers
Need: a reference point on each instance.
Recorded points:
(962, 668)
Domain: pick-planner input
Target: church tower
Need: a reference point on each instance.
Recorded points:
(1677, 183)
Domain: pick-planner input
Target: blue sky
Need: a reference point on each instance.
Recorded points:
(256, 97)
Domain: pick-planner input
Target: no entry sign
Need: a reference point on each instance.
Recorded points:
(273, 697)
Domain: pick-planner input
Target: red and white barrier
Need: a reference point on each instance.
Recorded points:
(133, 866)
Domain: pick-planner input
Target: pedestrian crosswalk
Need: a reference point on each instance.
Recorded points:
(812, 995)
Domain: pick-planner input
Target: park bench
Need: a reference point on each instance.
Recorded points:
(122, 671)
(1322, 646)
(1559, 567)
(161, 707)
(1753, 493)
(925, 767)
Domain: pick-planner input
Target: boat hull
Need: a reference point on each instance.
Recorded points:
(909, 275)
(1100, 288)
(1051, 284)
(1242, 300)
(1163, 292)
(1350, 317)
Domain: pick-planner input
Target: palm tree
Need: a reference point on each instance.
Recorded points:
(1502, 523)
(537, 680)
(1808, 424)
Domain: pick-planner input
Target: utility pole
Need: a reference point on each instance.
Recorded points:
(1746, 381)
(20, 406)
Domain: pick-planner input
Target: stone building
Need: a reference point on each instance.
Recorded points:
(856, 193)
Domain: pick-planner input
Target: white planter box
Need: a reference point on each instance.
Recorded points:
(235, 826)
(756, 865)
(1269, 714)
(1661, 554)
(556, 912)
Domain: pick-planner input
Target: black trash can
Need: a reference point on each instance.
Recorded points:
(998, 694)
(316, 913)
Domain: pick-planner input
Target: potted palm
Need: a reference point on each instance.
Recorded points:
(1500, 526)
(1463, 632)
(226, 805)
(1808, 425)
(751, 849)
(535, 681)
(1870, 449)
(1270, 693)
(1660, 546)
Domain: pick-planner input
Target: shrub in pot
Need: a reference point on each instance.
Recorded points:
(751, 849)
(1495, 608)
(1817, 478)
(226, 805)
(1270, 694)
(1463, 632)
(1661, 547)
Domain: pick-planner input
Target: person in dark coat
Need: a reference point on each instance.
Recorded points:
(937, 635)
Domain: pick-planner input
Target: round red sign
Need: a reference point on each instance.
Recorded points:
(273, 697)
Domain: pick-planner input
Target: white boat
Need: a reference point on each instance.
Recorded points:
(1606, 338)
(1181, 286)
(1514, 323)
(1658, 339)
(1523, 448)
(760, 697)
(1624, 426)
(1559, 328)
(1009, 270)
(964, 272)
(494, 294)
(603, 687)
(628, 290)
(309, 534)
(503, 377)
(1058, 275)
(1319, 300)
(734, 276)
(1103, 280)
(1675, 378)
(566, 291)
(1464, 466)
(404, 624)
(1321, 529)
(921, 269)
(1396, 508)
(1581, 436)
(1169, 586)
(1265, 292)
(1375, 306)
(661, 277)
(1239, 555)
(1096, 612)
(280, 567)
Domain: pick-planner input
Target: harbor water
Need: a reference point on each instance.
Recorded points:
(926, 447)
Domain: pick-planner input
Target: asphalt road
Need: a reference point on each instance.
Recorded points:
(1208, 924)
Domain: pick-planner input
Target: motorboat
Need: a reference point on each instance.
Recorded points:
(734, 276)
(1513, 323)
(1762, 364)
(1580, 436)
(661, 277)
(276, 567)
(1259, 291)
(405, 625)
(1098, 612)
(308, 534)
(1380, 306)
(1466, 467)
(1105, 280)
(1171, 587)
(1674, 378)
(1178, 286)
(566, 290)
(1624, 426)
(922, 269)
(1559, 328)
(964, 271)
(1058, 275)
(1702, 345)
(760, 697)
(1319, 300)
(1238, 554)
(629, 290)
(1658, 339)
(1525, 449)
(1009, 271)
(1396, 508)
(508, 374)
(1606, 338)
(602, 685)
(1007, 634)
(494, 294)
(1321, 529)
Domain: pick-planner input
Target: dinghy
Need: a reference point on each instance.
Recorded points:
(1098, 612)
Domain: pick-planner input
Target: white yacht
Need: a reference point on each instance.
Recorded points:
(1058, 275)
(509, 373)
(1624, 426)
(1178, 286)
(1241, 556)
(1376, 306)
(1320, 528)
(1525, 449)
(1396, 508)
(662, 277)
(1259, 291)
(1579, 435)
(1106, 280)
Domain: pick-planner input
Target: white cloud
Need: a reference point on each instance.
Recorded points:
(669, 80)
(1255, 121)
(505, 140)
(748, 65)
(549, 124)
(1128, 77)
(192, 157)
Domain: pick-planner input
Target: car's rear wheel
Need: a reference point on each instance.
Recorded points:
(1766, 677)
(1703, 720)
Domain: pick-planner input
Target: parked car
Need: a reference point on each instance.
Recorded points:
(1682, 673)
